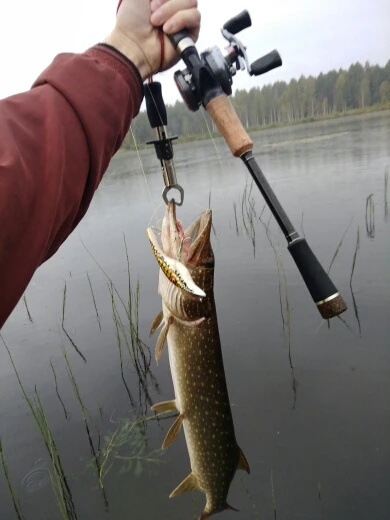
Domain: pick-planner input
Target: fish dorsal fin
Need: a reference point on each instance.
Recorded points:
(162, 337)
(173, 432)
(165, 406)
(156, 323)
(188, 484)
(243, 463)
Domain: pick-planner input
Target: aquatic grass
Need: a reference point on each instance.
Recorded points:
(144, 398)
(284, 312)
(27, 309)
(370, 216)
(243, 198)
(248, 209)
(355, 307)
(105, 274)
(255, 510)
(353, 268)
(95, 452)
(94, 301)
(129, 446)
(128, 330)
(288, 311)
(303, 231)
(194, 506)
(57, 392)
(286, 321)
(132, 305)
(273, 494)
(58, 481)
(386, 204)
(12, 492)
(235, 217)
(339, 246)
(58, 478)
(127, 334)
(119, 343)
(63, 325)
(357, 246)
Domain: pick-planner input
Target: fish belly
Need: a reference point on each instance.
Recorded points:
(201, 396)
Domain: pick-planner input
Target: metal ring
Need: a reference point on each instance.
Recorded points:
(179, 189)
(330, 298)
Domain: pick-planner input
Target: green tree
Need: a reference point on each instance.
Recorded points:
(340, 91)
(385, 91)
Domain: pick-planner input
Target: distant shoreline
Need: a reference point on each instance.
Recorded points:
(336, 115)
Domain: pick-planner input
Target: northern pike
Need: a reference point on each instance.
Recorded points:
(190, 327)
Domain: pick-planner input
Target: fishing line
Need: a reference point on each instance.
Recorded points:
(190, 200)
(144, 174)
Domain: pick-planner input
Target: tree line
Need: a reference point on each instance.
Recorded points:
(359, 87)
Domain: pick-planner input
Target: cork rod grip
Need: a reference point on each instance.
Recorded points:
(226, 119)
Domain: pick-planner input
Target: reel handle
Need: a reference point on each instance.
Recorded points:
(238, 23)
(270, 61)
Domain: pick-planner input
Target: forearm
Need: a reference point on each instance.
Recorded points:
(56, 142)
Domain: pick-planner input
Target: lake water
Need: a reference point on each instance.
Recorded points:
(316, 436)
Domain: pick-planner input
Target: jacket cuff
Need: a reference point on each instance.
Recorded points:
(113, 58)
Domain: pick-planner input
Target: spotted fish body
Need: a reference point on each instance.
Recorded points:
(201, 397)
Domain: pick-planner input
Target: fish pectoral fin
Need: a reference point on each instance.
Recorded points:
(156, 323)
(243, 463)
(165, 406)
(162, 337)
(190, 324)
(189, 484)
(173, 432)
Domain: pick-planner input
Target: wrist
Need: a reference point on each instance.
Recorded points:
(131, 50)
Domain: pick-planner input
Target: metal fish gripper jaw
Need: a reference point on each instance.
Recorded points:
(157, 114)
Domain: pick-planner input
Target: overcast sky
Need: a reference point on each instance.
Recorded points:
(311, 36)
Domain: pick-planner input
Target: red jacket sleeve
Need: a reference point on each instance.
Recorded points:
(56, 142)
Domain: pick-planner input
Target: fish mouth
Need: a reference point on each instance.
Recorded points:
(181, 250)
(192, 246)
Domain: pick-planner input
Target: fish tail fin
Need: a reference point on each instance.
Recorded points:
(207, 514)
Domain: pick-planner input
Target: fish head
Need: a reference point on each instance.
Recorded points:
(186, 263)
(191, 247)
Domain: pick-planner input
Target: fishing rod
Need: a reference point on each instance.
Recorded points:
(207, 81)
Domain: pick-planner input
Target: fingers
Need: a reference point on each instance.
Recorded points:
(164, 10)
(189, 19)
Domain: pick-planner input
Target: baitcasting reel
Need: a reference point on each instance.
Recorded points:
(224, 66)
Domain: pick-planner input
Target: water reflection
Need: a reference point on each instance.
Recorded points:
(249, 217)
(124, 450)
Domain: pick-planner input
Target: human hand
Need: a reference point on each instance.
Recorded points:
(136, 33)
